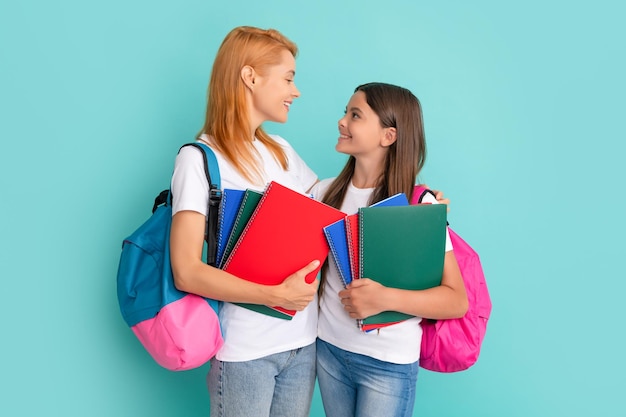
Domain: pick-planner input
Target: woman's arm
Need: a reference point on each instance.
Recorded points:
(364, 297)
(192, 275)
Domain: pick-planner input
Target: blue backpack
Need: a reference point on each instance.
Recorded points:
(180, 331)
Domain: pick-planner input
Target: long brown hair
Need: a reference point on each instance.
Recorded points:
(227, 118)
(396, 107)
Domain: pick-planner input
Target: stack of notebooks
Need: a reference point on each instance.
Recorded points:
(265, 237)
(391, 242)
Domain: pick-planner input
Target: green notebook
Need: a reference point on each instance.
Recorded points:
(402, 247)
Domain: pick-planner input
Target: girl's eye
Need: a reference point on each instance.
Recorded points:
(355, 116)
(289, 80)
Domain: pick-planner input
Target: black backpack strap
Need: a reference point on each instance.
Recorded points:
(211, 169)
(161, 199)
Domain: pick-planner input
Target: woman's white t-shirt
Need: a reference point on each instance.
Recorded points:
(399, 343)
(247, 334)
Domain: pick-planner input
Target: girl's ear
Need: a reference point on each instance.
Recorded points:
(389, 137)
(247, 75)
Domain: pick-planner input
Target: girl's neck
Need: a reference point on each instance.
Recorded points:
(366, 174)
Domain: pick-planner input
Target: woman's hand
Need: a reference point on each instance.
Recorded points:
(441, 199)
(363, 298)
(295, 293)
(439, 196)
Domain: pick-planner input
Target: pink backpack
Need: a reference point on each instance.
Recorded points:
(453, 345)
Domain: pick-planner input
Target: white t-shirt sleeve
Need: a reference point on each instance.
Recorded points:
(320, 188)
(190, 189)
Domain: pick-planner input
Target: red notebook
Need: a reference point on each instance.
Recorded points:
(352, 237)
(283, 235)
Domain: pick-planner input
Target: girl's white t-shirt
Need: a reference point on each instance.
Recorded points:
(399, 343)
(247, 334)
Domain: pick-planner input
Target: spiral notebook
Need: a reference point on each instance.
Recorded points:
(283, 235)
(246, 207)
(342, 238)
(229, 207)
(402, 247)
(339, 250)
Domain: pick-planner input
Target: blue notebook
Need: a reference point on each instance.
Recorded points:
(336, 235)
(247, 206)
(231, 200)
(395, 200)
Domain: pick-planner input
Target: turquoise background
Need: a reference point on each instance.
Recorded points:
(524, 108)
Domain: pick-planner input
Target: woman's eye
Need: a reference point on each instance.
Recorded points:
(355, 116)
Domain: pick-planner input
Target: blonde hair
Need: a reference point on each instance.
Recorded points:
(227, 118)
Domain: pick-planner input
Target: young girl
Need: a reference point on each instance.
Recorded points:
(267, 365)
(374, 374)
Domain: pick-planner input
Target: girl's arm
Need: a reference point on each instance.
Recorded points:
(192, 275)
(364, 297)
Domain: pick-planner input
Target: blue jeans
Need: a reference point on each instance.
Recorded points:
(354, 385)
(278, 385)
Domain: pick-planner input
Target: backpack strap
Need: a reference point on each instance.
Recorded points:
(163, 198)
(211, 168)
(212, 171)
(419, 192)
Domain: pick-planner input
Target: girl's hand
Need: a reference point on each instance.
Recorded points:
(362, 298)
(295, 293)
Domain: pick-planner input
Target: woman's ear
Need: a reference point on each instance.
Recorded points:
(389, 138)
(247, 75)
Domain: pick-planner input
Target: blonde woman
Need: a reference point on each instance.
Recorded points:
(267, 365)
